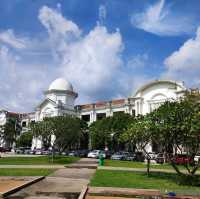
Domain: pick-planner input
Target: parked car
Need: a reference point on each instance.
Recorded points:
(130, 157)
(197, 158)
(83, 153)
(22, 150)
(38, 152)
(96, 153)
(152, 155)
(73, 153)
(45, 152)
(160, 159)
(119, 156)
(27, 151)
(183, 159)
(3, 150)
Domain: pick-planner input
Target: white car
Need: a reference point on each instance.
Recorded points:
(197, 158)
(94, 154)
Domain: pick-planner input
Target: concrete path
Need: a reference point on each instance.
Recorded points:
(63, 183)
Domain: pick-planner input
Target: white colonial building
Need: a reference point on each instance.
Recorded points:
(60, 100)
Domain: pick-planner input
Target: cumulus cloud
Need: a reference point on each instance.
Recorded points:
(8, 37)
(90, 61)
(160, 20)
(20, 83)
(184, 64)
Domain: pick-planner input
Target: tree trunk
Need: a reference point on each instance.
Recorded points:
(148, 167)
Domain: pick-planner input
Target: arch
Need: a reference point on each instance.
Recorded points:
(159, 96)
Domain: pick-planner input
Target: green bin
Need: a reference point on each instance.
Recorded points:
(101, 160)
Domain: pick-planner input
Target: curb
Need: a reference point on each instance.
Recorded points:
(13, 190)
(83, 192)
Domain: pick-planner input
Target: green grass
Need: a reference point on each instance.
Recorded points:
(161, 181)
(41, 160)
(132, 164)
(25, 172)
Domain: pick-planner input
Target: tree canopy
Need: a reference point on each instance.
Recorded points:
(61, 132)
(106, 132)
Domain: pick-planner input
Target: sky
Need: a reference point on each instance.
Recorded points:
(107, 49)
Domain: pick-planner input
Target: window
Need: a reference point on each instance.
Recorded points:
(117, 112)
(86, 118)
(100, 116)
(24, 124)
(133, 112)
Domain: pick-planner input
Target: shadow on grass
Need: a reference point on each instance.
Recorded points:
(173, 177)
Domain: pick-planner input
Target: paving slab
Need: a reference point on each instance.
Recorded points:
(12, 184)
(124, 192)
(75, 173)
(63, 183)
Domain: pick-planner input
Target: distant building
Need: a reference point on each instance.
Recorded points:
(4, 117)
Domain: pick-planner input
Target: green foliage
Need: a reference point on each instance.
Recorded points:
(25, 140)
(175, 125)
(8, 132)
(107, 131)
(67, 132)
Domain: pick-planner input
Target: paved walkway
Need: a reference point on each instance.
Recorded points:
(63, 183)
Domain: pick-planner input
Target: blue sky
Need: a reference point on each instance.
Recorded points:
(105, 48)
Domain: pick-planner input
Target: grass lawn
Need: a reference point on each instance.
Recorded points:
(132, 164)
(25, 172)
(161, 181)
(41, 160)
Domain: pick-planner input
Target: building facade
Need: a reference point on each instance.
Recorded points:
(60, 99)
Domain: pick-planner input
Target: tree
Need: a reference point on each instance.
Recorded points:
(139, 134)
(61, 132)
(9, 132)
(176, 125)
(107, 131)
(42, 130)
(25, 140)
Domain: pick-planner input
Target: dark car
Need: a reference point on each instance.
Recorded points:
(160, 158)
(130, 157)
(73, 153)
(83, 153)
(117, 156)
(3, 150)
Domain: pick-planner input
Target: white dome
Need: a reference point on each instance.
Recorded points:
(60, 84)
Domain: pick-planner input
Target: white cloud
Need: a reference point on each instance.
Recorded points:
(160, 20)
(184, 64)
(8, 37)
(102, 13)
(138, 61)
(90, 61)
(20, 82)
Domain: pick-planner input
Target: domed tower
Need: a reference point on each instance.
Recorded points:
(61, 91)
(59, 100)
